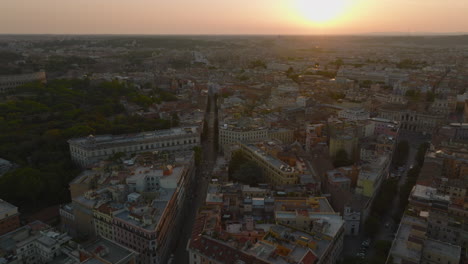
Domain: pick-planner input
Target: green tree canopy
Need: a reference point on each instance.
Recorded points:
(341, 159)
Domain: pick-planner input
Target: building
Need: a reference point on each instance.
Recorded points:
(346, 142)
(89, 150)
(5, 166)
(336, 179)
(315, 134)
(412, 120)
(8, 83)
(104, 251)
(229, 135)
(354, 114)
(251, 243)
(9, 217)
(372, 175)
(386, 127)
(103, 216)
(31, 244)
(286, 245)
(412, 245)
(140, 205)
(275, 171)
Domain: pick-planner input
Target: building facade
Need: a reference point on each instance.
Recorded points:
(86, 151)
(8, 83)
(9, 217)
(274, 170)
(414, 121)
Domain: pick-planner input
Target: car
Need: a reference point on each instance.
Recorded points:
(360, 255)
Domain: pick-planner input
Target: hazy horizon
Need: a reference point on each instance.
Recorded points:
(241, 17)
(372, 34)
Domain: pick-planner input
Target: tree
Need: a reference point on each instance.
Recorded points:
(175, 120)
(117, 156)
(198, 155)
(338, 62)
(430, 96)
(383, 247)
(421, 154)
(413, 94)
(257, 64)
(372, 225)
(341, 159)
(236, 161)
(401, 153)
(248, 173)
(384, 197)
(204, 134)
(366, 84)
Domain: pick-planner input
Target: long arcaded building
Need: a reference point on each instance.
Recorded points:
(88, 150)
(9, 82)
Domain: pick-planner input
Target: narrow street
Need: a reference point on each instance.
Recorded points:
(388, 224)
(203, 177)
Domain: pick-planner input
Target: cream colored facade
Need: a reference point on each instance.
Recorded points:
(8, 83)
(232, 136)
(274, 171)
(86, 151)
(414, 121)
(349, 143)
(372, 175)
(103, 221)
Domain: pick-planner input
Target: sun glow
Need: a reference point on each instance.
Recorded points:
(321, 11)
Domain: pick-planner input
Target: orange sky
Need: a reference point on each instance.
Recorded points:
(229, 16)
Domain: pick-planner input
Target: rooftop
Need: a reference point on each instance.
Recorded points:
(147, 216)
(400, 251)
(428, 193)
(270, 159)
(6, 207)
(442, 248)
(115, 139)
(114, 252)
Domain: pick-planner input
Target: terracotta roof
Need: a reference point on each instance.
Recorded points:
(217, 250)
(309, 258)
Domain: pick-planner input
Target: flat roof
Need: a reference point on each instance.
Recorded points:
(268, 158)
(6, 206)
(399, 249)
(428, 193)
(115, 253)
(442, 248)
(157, 208)
(114, 139)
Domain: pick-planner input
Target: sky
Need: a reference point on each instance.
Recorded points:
(232, 16)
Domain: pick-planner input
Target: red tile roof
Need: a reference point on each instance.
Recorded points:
(217, 250)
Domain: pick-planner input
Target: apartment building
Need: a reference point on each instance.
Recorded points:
(372, 174)
(91, 149)
(232, 135)
(413, 245)
(8, 83)
(141, 207)
(9, 217)
(413, 120)
(33, 243)
(275, 171)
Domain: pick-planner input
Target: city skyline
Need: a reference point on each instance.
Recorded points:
(208, 17)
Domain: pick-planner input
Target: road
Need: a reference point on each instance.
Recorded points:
(203, 177)
(386, 232)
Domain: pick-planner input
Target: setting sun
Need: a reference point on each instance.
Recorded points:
(320, 11)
